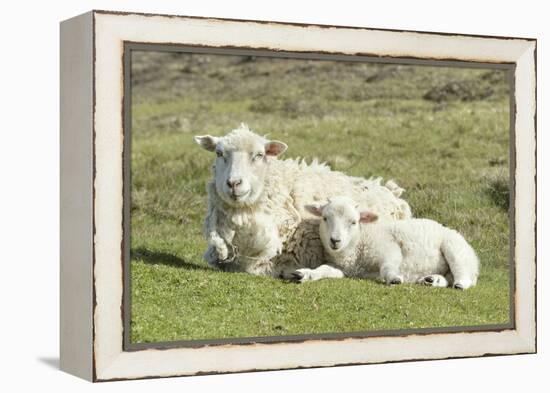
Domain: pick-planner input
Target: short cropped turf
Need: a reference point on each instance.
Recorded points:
(442, 133)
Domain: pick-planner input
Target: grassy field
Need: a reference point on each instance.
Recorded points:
(441, 133)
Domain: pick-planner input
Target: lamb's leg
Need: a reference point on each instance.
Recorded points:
(434, 280)
(462, 260)
(390, 265)
(323, 271)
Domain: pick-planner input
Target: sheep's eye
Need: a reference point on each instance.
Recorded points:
(219, 153)
(353, 223)
(258, 156)
(324, 219)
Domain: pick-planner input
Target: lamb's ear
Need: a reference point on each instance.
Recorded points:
(366, 217)
(316, 210)
(275, 148)
(207, 142)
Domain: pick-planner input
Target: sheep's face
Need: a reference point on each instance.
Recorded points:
(339, 228)
(242, 163)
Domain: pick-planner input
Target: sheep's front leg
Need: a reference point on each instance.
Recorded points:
(217, 250)
(390, 265)
(265, 235)
(323, 271)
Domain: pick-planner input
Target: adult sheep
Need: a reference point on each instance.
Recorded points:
(256, 221)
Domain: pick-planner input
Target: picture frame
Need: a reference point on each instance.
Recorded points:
(94, 257)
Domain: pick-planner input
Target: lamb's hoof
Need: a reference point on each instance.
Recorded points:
(396, 281)
(434, 280)
(296, 276)
(458, 286)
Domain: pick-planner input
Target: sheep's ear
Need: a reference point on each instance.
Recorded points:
(207, 142)
(275, 148)
(316, 210)
(366, 217)
(394, 188)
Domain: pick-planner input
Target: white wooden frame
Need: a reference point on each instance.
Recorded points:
(92, 143)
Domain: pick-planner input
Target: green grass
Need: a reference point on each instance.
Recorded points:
(442, 133)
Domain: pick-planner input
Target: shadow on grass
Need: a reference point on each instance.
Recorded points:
(164, 258)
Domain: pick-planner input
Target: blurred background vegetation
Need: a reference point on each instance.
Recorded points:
(442, 133)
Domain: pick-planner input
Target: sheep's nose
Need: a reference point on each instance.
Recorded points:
(234, 183)
(334, 241)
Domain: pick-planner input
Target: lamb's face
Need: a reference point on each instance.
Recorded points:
(339, 228)
(340, 224)
(242, 163)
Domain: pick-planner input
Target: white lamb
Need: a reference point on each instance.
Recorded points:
(412, 251)
(256, 221)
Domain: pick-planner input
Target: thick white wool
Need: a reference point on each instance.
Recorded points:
(275, 235)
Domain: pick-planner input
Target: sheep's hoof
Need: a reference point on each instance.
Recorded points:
(458, 286)
(434, 280)
(297, 276)
(396, 281)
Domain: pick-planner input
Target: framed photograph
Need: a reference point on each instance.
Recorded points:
(244, 195)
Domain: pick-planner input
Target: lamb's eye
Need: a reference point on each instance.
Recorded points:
(258, 156)
(353, 223)
(324, 219)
